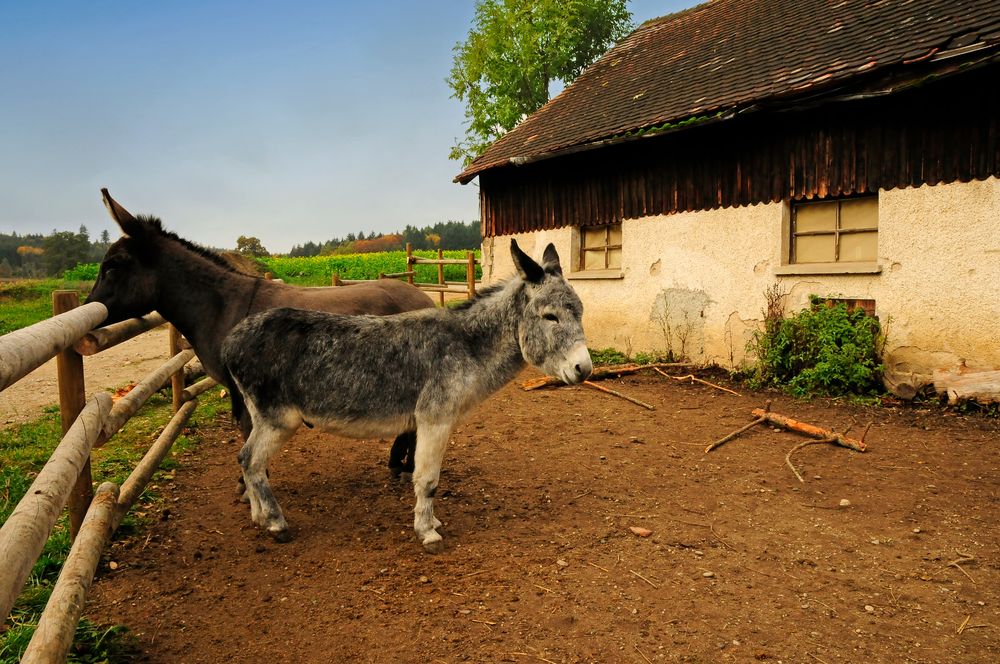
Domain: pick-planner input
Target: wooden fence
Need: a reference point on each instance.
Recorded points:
(467, 287)
(66, 480)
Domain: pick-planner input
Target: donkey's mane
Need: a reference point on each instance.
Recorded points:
(490, 290)
(154, 224)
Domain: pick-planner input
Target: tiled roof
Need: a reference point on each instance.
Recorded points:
(727, 55)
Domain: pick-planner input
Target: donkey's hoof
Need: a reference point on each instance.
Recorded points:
(282, 536)
(434, 546)
(395, 471)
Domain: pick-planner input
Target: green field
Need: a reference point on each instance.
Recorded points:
(319, 270)
(24, 302)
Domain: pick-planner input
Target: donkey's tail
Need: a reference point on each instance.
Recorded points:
(239, 406)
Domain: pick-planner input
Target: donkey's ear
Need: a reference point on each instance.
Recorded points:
(550, 260)
(527, 268)
(131, 226)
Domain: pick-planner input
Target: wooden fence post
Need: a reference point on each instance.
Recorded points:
(470, 273)
(72, 399)
(409, 263)
(441, 274)
(177, 379)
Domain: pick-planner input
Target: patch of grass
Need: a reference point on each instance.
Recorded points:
(612, 356)
(27, 301)
(24, 449)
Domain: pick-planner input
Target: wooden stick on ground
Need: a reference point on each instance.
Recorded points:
(786, 422)
(619, 394)
(760, 420)
(602, 373)
(692, 378)
(788, 457)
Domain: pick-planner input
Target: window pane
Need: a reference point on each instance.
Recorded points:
(594, 236)
(859, 213)
(859, 247)
(814, 249)
(593, 260)
(816, 217)
(616, 234)
(615, 259)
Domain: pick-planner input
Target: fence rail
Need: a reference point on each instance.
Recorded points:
(467, 287)
(65, 479)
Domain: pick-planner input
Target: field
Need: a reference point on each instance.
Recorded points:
(24, 302)
(887, 556)
(319, 270)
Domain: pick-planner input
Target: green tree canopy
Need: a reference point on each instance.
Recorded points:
(250, 246)
(515, 49)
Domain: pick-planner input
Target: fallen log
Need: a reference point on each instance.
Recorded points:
(602, 373)
(964, 385)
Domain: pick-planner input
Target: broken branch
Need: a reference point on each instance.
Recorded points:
(618, 394)
(786, 422)
(602, 373)
(692, 378)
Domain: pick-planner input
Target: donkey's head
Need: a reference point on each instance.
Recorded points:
(551, 331)
(127, 283)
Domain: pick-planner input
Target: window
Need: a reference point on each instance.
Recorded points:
(601, 247)
(840, 231)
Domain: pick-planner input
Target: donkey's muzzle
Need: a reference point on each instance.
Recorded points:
(578, 365)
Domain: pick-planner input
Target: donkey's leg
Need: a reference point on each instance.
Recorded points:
(246, 427)
(265, 439)
(401, 454)
(432, 438)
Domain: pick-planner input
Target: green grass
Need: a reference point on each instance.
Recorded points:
(27, 301)
(319, 270)
(24, 449)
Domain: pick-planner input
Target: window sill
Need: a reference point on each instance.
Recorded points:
(828, 268)
(596, 274)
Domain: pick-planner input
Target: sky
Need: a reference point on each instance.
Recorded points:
(289, 121)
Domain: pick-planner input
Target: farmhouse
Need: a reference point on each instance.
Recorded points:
(849, 150)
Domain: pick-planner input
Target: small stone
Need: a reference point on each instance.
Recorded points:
(113, 565)
(916, 530)
(641, 532)
(562, 563)
(708, 575)
(424, 579)
(844, 502)
(869, 608)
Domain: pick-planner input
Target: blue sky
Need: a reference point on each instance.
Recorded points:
(290, 121)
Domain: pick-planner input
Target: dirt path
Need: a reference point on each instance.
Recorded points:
(538, 493)
(125, 363)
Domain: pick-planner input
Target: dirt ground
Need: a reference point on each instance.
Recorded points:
(538, 493)
(126, 363)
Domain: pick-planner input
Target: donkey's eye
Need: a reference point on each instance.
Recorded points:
(551, 317)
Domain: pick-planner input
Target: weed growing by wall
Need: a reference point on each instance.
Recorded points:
(822, 350)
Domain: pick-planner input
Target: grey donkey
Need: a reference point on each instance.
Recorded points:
(376, 376)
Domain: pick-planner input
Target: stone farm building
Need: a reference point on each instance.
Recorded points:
(848, 149)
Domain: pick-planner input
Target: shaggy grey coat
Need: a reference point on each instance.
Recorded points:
(369, 376)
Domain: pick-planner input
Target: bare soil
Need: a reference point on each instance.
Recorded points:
(538, 493)
(124, 364)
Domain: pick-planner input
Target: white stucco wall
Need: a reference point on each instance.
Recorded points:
(938, 292)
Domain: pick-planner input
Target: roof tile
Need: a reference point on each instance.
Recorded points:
(726, 54)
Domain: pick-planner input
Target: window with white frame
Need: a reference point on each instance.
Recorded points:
(835, 231)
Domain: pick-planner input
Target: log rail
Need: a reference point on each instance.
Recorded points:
(65, 479)
(467, 287)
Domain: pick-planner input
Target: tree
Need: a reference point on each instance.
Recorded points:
(63, 250)
(250, 246)
(515, 49)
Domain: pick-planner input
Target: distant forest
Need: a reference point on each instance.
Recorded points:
(442, 235)
(36, 255)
